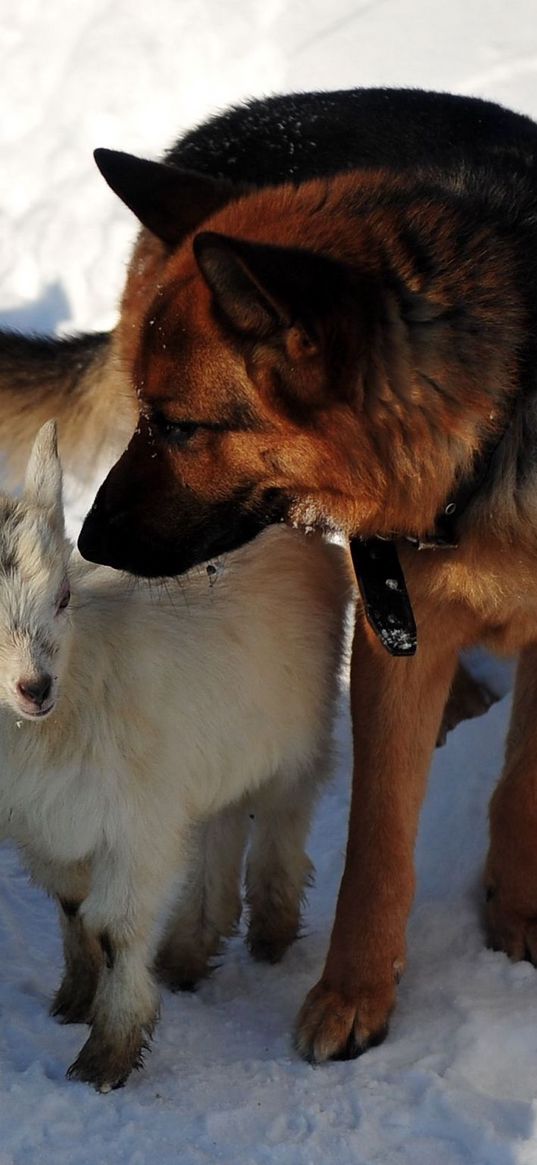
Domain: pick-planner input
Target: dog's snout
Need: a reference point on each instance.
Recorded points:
(102, 527)
(35, 691)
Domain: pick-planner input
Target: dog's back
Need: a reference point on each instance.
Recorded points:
(264, 142)
(300, 136)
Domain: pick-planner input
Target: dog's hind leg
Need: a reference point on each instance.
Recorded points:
(209, 906)
(511, 870)
(278, 869)
(467, 698)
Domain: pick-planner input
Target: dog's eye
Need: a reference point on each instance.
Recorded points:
(64, 597)
(179, 432)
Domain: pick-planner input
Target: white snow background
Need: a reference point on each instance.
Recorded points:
(456, 1080)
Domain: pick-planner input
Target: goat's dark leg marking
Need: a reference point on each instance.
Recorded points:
(107, 949)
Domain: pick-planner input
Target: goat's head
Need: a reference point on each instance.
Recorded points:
(34, 585)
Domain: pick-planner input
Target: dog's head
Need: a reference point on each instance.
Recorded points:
(274, 370)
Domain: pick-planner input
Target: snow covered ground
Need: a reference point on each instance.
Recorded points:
(456, 1082)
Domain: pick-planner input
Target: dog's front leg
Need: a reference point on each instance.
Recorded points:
(396, 705)
(129, 887)
(511, 871)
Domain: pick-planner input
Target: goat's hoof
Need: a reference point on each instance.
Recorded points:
(331, 1027)
(182, 971)
(107, 1065)
(265, 947)
(72, 1004)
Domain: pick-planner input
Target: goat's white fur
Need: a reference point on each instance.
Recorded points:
(179, 711)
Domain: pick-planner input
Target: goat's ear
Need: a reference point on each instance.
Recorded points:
(43, 481)
(169, 202)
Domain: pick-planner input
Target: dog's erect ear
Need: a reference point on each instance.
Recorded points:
(262, 288)
(169, 202)
(43, 481)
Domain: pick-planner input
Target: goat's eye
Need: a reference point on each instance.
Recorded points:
(63, 597)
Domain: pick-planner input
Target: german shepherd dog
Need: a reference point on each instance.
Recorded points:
(330, 319)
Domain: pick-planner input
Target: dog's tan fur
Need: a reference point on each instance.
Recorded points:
(368, 426)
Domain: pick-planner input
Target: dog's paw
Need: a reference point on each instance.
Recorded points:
(508, 930)
(331, 1027)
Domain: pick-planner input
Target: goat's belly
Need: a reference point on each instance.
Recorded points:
(228, 767)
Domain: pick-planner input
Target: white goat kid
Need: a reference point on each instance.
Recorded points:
(138, 730)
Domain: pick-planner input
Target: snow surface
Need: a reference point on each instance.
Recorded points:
(456, 1081)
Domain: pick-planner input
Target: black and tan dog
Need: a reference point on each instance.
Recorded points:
(351, 348)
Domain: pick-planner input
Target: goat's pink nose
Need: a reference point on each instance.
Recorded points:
(36, 690)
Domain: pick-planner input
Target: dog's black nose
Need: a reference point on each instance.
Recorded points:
(36, 690)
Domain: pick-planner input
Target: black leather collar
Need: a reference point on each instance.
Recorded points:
(384, 594)
(379, 573)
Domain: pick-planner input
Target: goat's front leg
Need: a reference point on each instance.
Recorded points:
(69, 884)
(397, 705)
(129, 887)
(74, 999)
